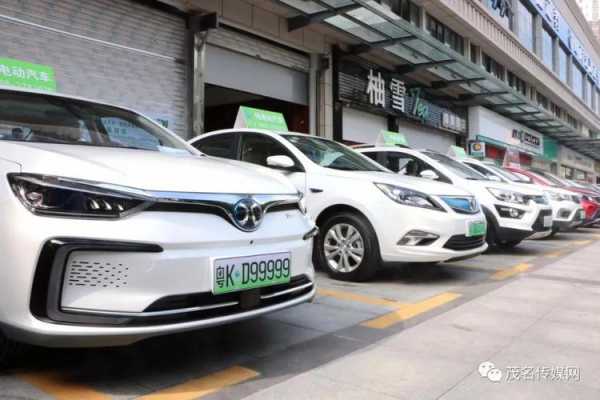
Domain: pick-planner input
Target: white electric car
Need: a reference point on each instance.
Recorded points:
(567, 212)
(365, 214)
(513, 213)
(114, 230)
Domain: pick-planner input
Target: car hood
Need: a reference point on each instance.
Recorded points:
(418, 184)
(515, 187)
(148, 170)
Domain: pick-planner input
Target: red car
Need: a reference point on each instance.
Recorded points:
(590, 201)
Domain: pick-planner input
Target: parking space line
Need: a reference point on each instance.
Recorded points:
(60, 387)
(200, 387)
(359, 298)
(554, 254)
(509, 272)
(581, 242)
(409, 311)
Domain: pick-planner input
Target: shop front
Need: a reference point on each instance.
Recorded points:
(576, 166)
(371, 100)
(491, 135)
(246, 70)
(129, 53)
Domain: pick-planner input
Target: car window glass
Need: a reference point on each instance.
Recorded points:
(256, 149)
(329, 154)
(218, 145)
(457, 167)
(39, 118)
(481, 170)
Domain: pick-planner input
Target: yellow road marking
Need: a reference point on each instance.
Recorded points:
(376, 301)
(410, 310)
(204, 386)
(554, 254)
(508, 272)
(582, 242)
(61, 388)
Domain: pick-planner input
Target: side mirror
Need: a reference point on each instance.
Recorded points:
(280, 162)
(429, 174)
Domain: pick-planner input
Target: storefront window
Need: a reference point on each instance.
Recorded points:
(445, 35)
(563, 59)
(547, 48)
(409, 11)
(517, 83)
(526, 31)
(493, 67)
(543, 101)
(577, 81)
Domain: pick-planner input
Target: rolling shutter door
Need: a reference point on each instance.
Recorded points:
(116, 51)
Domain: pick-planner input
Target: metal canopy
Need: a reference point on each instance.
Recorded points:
(373, 26)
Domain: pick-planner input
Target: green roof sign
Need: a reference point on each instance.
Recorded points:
(27, 75)
(255, 118)
(457, 152)
(389, 138)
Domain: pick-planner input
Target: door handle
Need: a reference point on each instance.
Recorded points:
(316, 190)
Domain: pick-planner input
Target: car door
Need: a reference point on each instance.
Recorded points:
(255, 148)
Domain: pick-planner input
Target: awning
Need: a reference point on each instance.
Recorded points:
(372, 26)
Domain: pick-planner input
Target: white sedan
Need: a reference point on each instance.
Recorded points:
(365, 213)
(114, 229)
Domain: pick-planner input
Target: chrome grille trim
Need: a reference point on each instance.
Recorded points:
(151, 313)
(287, 291)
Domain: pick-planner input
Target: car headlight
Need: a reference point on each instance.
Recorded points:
(557, 196)
(508, 196)
(57, 196)
(408, 197)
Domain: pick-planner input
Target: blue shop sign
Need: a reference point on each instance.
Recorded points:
(563, 31)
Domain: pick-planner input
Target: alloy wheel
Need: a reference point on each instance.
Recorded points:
(344, 248)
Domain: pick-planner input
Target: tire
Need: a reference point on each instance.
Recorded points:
(345, 226)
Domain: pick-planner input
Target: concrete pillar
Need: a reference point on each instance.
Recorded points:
(538, 40)
(514, 5)
(199, 79)
(313, 98)
(555, 58)
(570, 67)
(467, 49)
(423, 19)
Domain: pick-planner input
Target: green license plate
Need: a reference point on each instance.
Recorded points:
(243, 273)
(476, 228)
(582, 215)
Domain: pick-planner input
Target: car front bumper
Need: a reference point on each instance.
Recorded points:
(158, 271)
(450, 227)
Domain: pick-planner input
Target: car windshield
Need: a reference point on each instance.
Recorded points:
(554, 180)
(38, 118)
(508, 174)
(456, 167)
(329, 154)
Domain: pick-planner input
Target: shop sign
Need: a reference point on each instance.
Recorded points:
(376, 89)
(457, 152)
(389, 138)
(27, 75)
(527, 139)
(561, 28)
(477, 149)
(254, 118)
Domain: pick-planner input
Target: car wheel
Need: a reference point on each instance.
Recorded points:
(347, 248)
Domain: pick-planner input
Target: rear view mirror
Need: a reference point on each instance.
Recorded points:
(280, 162)
(429, 174)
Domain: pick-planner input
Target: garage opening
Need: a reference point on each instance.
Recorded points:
(222, 106)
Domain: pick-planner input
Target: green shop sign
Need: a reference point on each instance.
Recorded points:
(27, 75)
(254, 118)
(390, 138)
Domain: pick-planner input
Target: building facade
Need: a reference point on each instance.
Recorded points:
(505, 74)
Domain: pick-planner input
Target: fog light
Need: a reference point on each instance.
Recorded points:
(509, 212)
(418, 238)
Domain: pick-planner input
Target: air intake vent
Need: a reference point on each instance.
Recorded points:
(96, 274)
